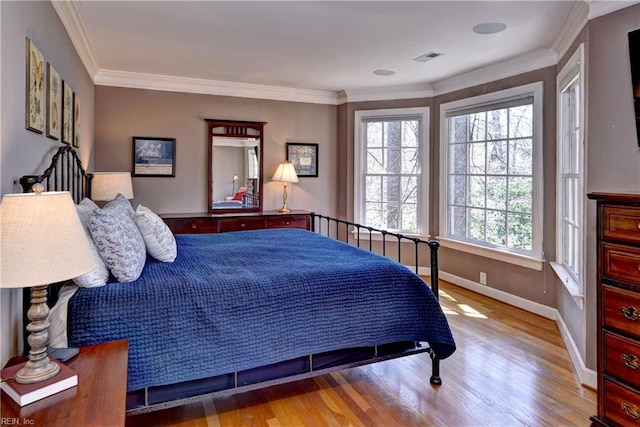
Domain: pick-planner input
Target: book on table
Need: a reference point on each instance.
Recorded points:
(23, 394)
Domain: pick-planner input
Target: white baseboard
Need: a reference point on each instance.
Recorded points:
(588, 377)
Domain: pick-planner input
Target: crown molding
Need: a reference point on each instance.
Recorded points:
(212, 87)
(511, 67)
(420, 90)
(575, 22)
(598, 8)
(68, 14)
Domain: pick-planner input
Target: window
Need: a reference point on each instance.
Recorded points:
(570, 176)
(391, 158)
(491, 167)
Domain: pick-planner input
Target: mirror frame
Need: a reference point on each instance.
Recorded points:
(239, 129)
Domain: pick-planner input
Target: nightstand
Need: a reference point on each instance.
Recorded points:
(98, 400)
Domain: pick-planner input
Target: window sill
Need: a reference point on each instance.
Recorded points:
(572, 286)
(497, 254)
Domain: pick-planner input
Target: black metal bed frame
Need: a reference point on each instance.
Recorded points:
(67, 174)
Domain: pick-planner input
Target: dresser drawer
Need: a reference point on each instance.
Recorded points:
(241, 224)
(621, 404)
(621, 263)
(192, 225)
(622, 358)
(621, 223)
(622, 310)
(288, 221)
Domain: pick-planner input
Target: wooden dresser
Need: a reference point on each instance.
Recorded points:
(618, 309)
(219, 223)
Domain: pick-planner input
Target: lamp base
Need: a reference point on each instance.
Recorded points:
(284, 209)
(39, 367)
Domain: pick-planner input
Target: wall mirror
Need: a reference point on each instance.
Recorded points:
(234, 166)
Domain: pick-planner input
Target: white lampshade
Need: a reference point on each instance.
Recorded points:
(43, 241)
(107, 185)
(285, 173)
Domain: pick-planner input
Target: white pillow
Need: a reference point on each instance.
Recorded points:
(100, 275)
(119, 243)
(156, 234)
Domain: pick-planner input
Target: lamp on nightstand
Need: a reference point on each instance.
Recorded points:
(106, 185)
(285, 173)
(42, 242)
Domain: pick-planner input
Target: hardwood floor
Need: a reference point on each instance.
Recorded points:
(510, 369)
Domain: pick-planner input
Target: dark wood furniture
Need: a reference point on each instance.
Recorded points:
(99, 398)
(618, 309)
(197, 223)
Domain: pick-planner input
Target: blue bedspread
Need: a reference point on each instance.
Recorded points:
(235, 301)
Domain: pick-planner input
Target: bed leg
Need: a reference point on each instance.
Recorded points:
(435, 370)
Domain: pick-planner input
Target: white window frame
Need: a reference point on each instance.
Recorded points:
(533, 259)
(422, 114)
(571, 74)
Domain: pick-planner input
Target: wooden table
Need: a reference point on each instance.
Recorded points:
(98, 400)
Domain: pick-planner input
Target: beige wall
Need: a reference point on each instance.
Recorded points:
(24, 152)
(123, 113)
(613, 163)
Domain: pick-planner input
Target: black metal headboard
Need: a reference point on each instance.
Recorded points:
(65, 173)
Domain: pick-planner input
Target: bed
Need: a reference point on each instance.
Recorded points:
(227, 316)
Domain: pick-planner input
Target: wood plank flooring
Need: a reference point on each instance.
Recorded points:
(510, 369)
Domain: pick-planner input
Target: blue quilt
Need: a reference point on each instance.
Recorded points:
(234, 301)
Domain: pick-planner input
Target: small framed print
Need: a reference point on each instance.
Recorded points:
(35, 92)
(304, 158)
(54, 103)
(67, 113)
(154, 156)
(76, 120)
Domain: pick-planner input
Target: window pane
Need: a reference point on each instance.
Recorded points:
(458, 188)
(409, 189)
(459, 131)
(497, 158)
(521, 157)
(521, 121)
(497, 124)
(458, 222)
(496, 227)
(409, 160)
(410, 133)
(477, 158)
(497, 192)
(477, 125)
(373, 214)
(375, 161)
(409, 217)
(476, 191)
(477, 224)
(520, 231)
(374, 134)
(521, 195)
(373, 189)
(458, 158)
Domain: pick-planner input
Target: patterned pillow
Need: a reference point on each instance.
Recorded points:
(156, 234)
(121, 204)
(100, 275)
(119, 243)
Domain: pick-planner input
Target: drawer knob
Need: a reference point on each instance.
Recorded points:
(287, 223)
(631, 410)
(630, 313)
(194, 225)
(242, 225)
(631, 361)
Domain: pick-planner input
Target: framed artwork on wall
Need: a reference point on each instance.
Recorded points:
(35, 93)
(304, 157)
(154, 156)
(76, 120)
(54, 103)
(67, 113)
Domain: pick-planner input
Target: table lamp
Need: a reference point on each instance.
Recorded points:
(106, 185)
(285, 173)
(42, 242)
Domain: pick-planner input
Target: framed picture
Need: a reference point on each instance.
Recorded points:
(154, 156)
(35, 88)
(76, 120)
(304, 158)
(54, 103)
(67, 113)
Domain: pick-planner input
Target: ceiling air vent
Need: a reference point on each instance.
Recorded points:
(427, 56)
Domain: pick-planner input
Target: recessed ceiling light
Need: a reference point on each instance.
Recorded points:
(384, 72)
(489, 28)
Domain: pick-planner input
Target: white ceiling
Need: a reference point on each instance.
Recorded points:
(309, 45)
